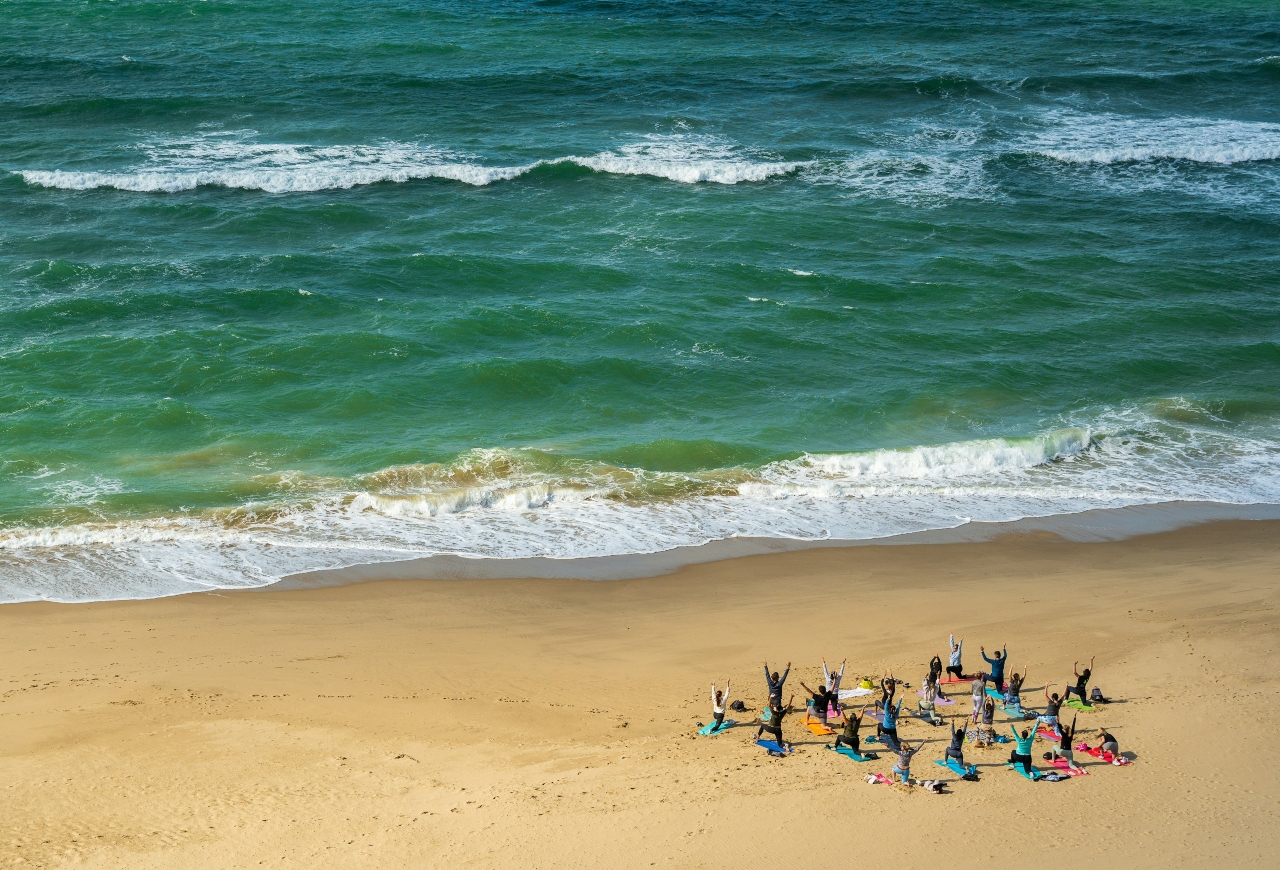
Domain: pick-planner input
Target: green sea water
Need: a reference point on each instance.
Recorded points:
(296, 284)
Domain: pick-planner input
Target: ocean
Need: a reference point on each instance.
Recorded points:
(295, 285)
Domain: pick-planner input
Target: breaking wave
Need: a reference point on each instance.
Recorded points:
(522, 503)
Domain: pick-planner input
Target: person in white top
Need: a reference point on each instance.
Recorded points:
(953, 664)
(719, 701)
(979, 695)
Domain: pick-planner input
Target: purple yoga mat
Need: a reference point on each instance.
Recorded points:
(941, 700)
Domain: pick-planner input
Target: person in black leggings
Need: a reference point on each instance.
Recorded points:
(953, 663)
(774, 725)
(956, 749)
(935, 669)
(1082, 682)
(849, 737)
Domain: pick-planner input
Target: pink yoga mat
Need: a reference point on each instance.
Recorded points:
(1061, 764)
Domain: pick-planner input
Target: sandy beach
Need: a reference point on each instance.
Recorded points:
(550, 723)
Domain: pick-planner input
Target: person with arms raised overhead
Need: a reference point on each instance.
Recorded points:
(833, 678)
(997, 666)
(719, 700)
(1082, 683)
(954, 667)
(818, 705)
(775, 683)
(849, 737)
(1063, 747)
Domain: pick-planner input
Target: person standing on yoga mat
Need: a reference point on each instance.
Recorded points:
(1063, 749)
(956, 749)
(1022, 755)
(775, 683)
(905, 754)
(849, 737)
(1050, 715)
(774, 725)
(954, 667)
(821, 698)
(997, 665)
(979, 694)
(1082, 681)
(719, 700)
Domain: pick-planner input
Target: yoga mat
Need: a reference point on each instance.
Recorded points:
(849, 753)
(881, 779)
(1033, 775)
(1105, 756)
(834, 713)
(921, 715)
(942, 700)
(1046, 734)
(818, 728)
(950, 679)
(705, 730)
(854, 693)
(875, 715)
(773, 746)
(1075, 704)
(1061, 764)
(954, 766)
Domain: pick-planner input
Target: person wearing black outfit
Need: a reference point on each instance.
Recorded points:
(774, 725)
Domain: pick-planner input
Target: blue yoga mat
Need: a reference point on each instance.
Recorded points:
(706, 730)
(954, 766)
(849, 753)
(772, 746)
(1033, 775)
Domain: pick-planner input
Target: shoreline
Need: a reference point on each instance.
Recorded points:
(1103, 524)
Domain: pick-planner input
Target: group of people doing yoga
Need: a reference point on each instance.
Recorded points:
(824, 704)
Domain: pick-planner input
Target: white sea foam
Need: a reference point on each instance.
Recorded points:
(1109, 139)
(236, 160)
(500, 503)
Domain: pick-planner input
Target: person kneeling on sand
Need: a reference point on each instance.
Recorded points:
(1050, 714)
(849, 737)
(1082, 682)
(817, 705)
(905, 754)
(1063, 749)
(954, 667)
(718, 701)
(956, 749)
(1022, 755)
(774, 725)
(888, 729)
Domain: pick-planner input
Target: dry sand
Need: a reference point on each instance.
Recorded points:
(548, 723)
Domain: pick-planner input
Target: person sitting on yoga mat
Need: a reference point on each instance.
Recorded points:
(1050, 714)
(1013, 693)
(988, 719)
(997, 666)
(1063, 749)
(953, 666)
(774, 725)
(956, 749)
(1108, 743)
(818, 705)
(775, 683)
(979, 694)
(719, 700)
(905, 754)
(832, 679)
(1022, 755)
(1082, 681)
(849, 737)
(888, 729)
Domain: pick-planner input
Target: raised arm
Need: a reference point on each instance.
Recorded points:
(826, 675)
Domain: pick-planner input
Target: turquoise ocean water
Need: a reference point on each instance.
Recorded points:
(300, 284)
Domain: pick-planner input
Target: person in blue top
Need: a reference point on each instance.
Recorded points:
(1022, 755)
(997, 666)
(888, 729)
